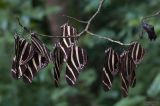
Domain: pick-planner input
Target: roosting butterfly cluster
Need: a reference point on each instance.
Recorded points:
(123, 65)
(31, 57)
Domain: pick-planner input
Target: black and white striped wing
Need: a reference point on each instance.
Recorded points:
(66, 43)
(127, 72)
(136, 51)
(77, 60)
(23, 53)
(33, 66)
(58, 57)
(124, 75)
(132, 80)
(110, 68)
(17, 69)
(40, 47)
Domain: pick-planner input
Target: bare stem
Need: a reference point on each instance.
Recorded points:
(150, 16)
(109, 39)
(94, 15)
(85, 22)
(85, 30)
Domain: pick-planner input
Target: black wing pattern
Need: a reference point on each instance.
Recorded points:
(40, 47)
(136, 51)
(110, 68)
(33, 66)
(65, 43)
(127, 72)
(58, 58)
(27, 60)
(23, 53)
(77, 60)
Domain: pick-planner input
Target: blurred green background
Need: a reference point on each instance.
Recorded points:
(119, 19)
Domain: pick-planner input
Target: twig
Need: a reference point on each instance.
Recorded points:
(85, 22)
(30, 31)
(25, 28)
(109, 39)
(99, 36)
(150, 16)
(57, 36)
(94, 15)
(85, 30)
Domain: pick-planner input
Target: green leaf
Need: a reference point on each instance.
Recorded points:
(134, 101)
(154, 89)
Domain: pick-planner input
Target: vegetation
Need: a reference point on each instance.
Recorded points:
(118, 20)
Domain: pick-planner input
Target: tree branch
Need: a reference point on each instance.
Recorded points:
(85, 30)
(150, 16)
(109, 39)
(80, 21)
(94, 15)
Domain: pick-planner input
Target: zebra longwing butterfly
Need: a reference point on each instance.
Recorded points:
(23, 53)
(40, 47)
(66, 43)
(127, 72)
(110, 68)
(136, 51)
(77, 60)
(58, 58)
(33, 66)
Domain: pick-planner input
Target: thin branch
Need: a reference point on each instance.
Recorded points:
(85, 30)
(109, 39)
(94, 15)
(150, 16)
(30, 31)
(99, 36)
(85, 22)
(25, 28)
(57, 36)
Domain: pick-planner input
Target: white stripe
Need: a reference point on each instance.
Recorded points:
(77, 56)
(30, 71)
(106, 84)
(73, 60)
(20, 72)
(23, 50)
(71, 71)
(34, 63)
(70, 79)
(27, 78)
(13, 70)
(107, 77)
(124, 81)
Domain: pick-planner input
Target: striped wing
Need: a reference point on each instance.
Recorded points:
(58, 57)
(23, 53)
(77, 60)
(136, 51)
(110, 68)
(124, 75)
(40, 47)
(66, 43)
(33, 66)
(23, 50)
(17, 69)
(127, 72)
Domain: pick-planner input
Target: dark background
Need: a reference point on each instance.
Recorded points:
(118, 19)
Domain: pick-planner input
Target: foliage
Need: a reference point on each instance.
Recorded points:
(119, 19)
